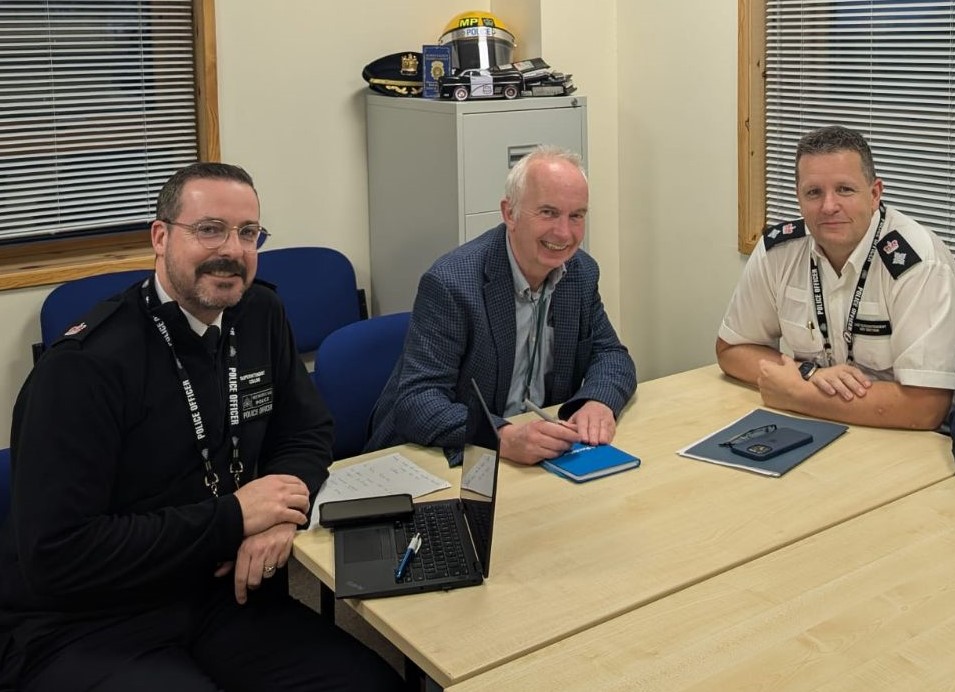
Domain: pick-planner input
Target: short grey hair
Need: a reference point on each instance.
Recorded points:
(832, 139)
(516, 181)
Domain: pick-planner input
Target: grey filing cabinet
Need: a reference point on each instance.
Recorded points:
(436, 174)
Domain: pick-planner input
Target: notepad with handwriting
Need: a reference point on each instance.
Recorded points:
(584, 463)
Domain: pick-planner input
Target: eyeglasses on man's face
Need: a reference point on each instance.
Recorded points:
(213, 233)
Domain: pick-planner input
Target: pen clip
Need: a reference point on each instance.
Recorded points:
(414, 545)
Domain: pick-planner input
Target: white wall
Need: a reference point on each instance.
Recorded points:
(660, 79)
(20, 317)
(678, 189)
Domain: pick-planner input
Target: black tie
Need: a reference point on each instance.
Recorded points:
(210, 339)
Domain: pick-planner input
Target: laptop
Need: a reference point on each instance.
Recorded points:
(456, 534)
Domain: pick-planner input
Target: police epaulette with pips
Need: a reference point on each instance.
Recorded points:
(897, 255)
(781, 232)
(85, 326)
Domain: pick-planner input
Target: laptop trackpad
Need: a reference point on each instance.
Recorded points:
(366, 544)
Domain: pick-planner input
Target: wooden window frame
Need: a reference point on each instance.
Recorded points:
(751, 125)
(44, 262)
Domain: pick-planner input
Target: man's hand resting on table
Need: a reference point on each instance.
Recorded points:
(529, 443)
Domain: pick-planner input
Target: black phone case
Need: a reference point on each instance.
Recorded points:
(771, 444)
(365, 510)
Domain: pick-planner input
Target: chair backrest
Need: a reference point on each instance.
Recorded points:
(351, 368)
(5, 484)
(318, 288)
(70, 301)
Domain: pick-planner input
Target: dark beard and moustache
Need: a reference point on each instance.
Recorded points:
(221, 264)
(191, 296)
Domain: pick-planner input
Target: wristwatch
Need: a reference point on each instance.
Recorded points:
(807, 368)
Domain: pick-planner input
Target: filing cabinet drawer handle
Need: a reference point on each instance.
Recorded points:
(517, 152)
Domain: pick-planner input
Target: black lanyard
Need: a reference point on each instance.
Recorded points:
(856, 297)
(235, 467)
(534, 356)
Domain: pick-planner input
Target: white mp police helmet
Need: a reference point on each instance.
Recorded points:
(478, 39)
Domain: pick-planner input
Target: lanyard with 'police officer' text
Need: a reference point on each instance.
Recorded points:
(235, 467)
(856, 297)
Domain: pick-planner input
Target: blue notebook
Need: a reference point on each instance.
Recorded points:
(584, 463)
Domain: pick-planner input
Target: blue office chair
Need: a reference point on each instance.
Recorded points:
(5, 484)
(318, 288)
(70, 301)
(351, 368)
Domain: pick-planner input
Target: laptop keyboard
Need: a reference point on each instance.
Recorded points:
(441, 554)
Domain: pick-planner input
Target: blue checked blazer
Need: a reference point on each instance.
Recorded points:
(463, 326)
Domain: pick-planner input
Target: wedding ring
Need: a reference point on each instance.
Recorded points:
(268, 571)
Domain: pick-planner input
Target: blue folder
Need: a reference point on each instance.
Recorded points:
(709, 449)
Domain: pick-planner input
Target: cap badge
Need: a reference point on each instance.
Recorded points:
(409, 64)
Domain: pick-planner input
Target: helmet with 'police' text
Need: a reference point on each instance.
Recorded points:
(478, 39)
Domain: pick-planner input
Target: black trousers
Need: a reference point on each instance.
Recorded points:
(273, 642)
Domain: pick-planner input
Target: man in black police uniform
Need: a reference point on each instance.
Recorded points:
(159, 477)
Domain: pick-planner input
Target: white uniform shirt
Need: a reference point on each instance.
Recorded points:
(774, 300)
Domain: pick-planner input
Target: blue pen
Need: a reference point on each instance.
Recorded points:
(414, 545)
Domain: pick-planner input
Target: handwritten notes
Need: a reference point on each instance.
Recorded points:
(387, 475)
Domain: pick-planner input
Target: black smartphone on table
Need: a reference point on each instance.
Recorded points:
(771, 444)
(365, 510)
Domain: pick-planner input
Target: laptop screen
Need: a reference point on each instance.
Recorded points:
(479, 483)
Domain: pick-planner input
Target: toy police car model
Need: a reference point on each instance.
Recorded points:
(554, 84)
(482, 84)
(539, 78)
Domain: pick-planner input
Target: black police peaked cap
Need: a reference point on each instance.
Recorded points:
(398, 74)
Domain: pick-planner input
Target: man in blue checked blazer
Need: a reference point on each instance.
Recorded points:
(518, 310)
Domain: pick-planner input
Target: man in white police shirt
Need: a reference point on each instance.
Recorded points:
(862, 294)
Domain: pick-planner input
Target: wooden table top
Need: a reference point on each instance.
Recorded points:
(567, 557)
(866, 605)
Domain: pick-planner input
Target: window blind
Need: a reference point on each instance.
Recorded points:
(882, 67)
(97, 109)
